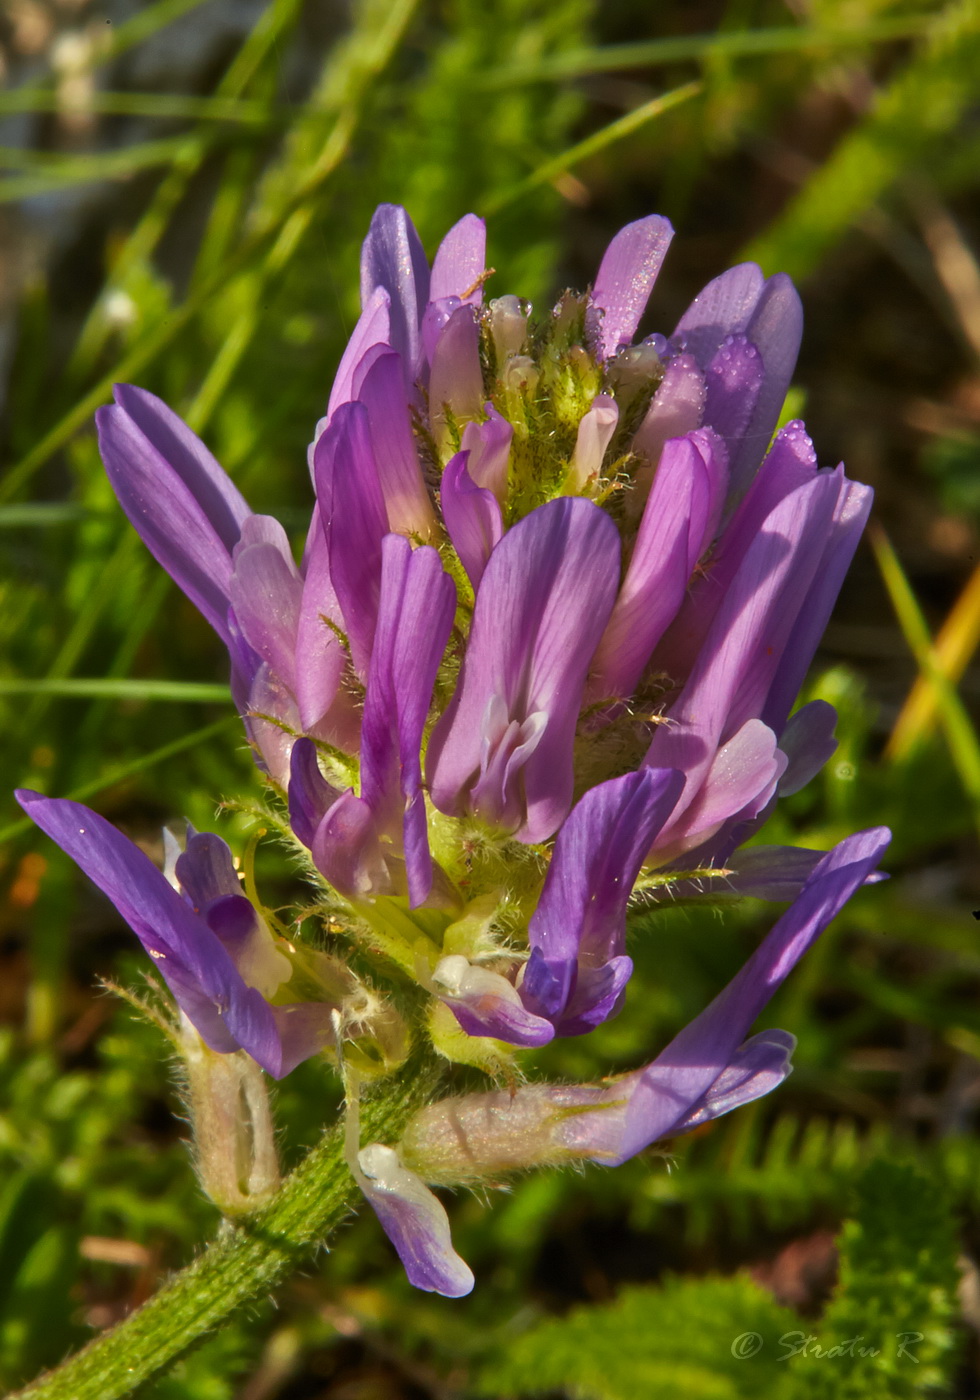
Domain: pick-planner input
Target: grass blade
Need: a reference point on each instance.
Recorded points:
(127, 770)
(955, 645)
(592, 145)
(700, 48)
(116, 688)
(961, 737)
(912, 116)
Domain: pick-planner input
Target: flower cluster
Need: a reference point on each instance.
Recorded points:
(557, 597)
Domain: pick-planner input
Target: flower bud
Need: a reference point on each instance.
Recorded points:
(376, 1038)
(481, 1137)
(507, 321)
(234, 1136)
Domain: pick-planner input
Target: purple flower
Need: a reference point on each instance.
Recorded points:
(708, 1069)
(559, 591)
(208, 943)
(238, 569)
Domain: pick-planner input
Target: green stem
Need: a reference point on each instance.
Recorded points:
(239, 1267)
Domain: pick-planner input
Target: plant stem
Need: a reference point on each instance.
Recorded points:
(240, 1266)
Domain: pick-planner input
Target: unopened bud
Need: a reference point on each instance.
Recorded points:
(481, 1137)
(234, 1136)
(508, 326)
(520, 375)
(633, 375)
(376, 1038)
(595, 433)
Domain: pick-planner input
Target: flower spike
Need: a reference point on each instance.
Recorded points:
(559, 590)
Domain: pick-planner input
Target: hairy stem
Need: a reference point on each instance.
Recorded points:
(242, 1264)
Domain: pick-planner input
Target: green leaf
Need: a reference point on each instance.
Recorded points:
(704, 1339)
(896, 1295)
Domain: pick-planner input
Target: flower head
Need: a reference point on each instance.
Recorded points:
(559, 591)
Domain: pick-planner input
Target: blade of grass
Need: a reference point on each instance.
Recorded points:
(592, 145)
(955, 645)
(283, 230)
(112, 577)
(141, 619)
(911, 117)
(165, 105)
(116, 688)
(961, 737)
(53, 173)
(147, 22)
(268, 32)
(699, 48)
(348, 76)
(128, 770)
(41, 514)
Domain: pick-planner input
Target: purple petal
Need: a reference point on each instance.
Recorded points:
(768, 313)
(373, 328)
(434, 322)
(232, 918)
(756, 1068)
(415, 1222)
(206, 871)
(310, 795)
(393, 258)
(542, 606)
(750, 631)
(265, 530)
(418, 601)
(185, 453)
(506, 745)
(850, 518)
(486, 1004)
(650, 1103)
(676, 409)
(740, 780)
(595, 433)
(460, 262)
(791, 463)
(189, 957)
(320, 655)
(355, 521)
(246, 937)
(379, 385)
(159, 498)
(305, 1028)
(456, 380)
(580, 921)
(265, 592)
(733, 380)
(472, 517)
(724, 307)
(346, 849)
(772, 872)
(776, 329)
(672, 536)
(626, 276)
(271, 721)
(488, 444)
(808, 741)
(598, 996)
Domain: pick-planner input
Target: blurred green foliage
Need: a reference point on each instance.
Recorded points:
(886, 1332)
(224, 277)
